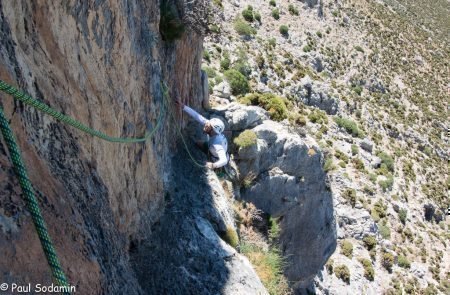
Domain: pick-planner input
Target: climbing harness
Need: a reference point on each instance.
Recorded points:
(21, 171)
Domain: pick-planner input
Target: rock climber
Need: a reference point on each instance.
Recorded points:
(217, 143)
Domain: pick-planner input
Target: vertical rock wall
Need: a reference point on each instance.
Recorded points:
(100, 62)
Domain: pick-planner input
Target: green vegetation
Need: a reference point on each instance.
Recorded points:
(387, 261)
(359, 48)
(231, 237)
(343, 273)
(329, 266)
(225, 62)
(292, 9)
(370, 242)
(387, 161)
(355, 149)
(403, 261)
(268, 263)
(171, 26)
(284, 30)
(275, 105)
(246, 139)
(238, 82)
(350, 195)
(318, 116)
(369, 272)
(273, 3)
(384, 231)
(248, 13)
(379, 210)
(358, 163)
(402, 214)
(349, 126)
(328, 165)
(243, 28)
(275, 13)
(209, 71)
(347, 249)
(387, 184)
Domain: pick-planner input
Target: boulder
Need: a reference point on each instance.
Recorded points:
(367, 145)
(222, 90)
(318, 94)
(241, 117)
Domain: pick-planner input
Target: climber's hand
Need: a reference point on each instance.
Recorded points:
(179, 103)
(209, 165)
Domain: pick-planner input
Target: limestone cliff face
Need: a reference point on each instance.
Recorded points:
(100, 62)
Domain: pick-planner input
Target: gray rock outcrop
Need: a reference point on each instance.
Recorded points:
(291, 185)
(314, 93)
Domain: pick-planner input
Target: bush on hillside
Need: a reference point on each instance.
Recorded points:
(349, 126)
(275, 105)
(284, 30)
(245, 139)
(343, 273)
(243, 28)
(238, 82)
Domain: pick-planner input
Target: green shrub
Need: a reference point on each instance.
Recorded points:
(243, 28)
(347, 249)
(379, 210)
(273, 3)
(386, 160)
(319, 34)
(384, 231)
(292, 10)
(307, 48)
(387, 261)
(272, 42)
(275, 105)
(238, 82)
(341, 156)
(248, 13)
(359, 48)
(329, 266)
(206, 56)
(343, 273)
(369, 272)
(349, 126)
(328, 165)
(276, 13)
(209, 71)
(257, 16)
(387, 184)
(171, 26)
(245, 139)
(350, 195)
(403, 261)
(225, 63)
(231, 237)
(243, 68)
(355, 149)
(260, 61)
(370, 242)
(358, 163)
(284, 30)
(318, 116)
(358, 89)
(402, 214)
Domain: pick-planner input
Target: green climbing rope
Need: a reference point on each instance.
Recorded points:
(31, 202)
(28, 100)
(21, 171)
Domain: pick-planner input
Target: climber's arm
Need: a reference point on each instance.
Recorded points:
(222, 155)
(196, 116)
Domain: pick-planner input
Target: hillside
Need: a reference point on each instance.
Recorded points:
(369, 81)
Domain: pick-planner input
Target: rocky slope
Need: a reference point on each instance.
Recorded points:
(366, 80)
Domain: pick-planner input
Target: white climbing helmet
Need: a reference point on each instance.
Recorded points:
(217, 125)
